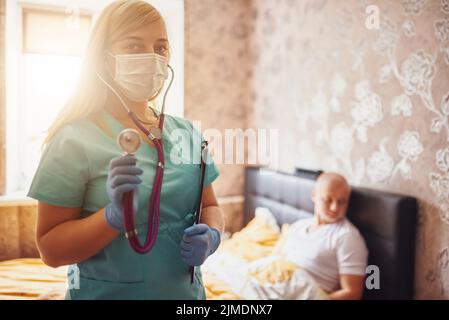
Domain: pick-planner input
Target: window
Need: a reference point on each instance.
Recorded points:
(43, 67)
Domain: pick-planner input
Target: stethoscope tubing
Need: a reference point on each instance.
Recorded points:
(131, 232)
(154, 206)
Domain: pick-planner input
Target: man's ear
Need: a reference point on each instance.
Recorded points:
(313, 195)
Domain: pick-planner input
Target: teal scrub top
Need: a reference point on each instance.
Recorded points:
(72, 173)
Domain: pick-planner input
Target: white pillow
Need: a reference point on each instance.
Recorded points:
(268, 217)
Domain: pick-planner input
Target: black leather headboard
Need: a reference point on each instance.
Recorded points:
(386, 221)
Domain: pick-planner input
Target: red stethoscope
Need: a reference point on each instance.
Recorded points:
(129, 141)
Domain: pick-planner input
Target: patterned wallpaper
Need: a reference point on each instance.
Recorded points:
(372, 104)
(218, 67)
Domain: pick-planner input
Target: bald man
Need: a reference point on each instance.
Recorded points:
(328, 245)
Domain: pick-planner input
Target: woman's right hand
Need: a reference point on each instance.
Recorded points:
(122, 178)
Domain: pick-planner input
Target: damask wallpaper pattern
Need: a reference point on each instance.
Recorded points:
(218, 67)
(372, 104)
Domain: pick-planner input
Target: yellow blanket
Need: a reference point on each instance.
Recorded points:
(31, 279)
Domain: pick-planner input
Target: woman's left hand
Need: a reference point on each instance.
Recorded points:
(198, 243)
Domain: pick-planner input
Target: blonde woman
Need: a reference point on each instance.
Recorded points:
(83, 174)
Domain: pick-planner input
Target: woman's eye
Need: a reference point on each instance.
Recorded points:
(162, 50)
(133, 47)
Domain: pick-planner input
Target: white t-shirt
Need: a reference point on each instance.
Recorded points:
(327, 252)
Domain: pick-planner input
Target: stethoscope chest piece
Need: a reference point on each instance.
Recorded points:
(129, 141)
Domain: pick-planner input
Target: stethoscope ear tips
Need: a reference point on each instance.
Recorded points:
(129, 141)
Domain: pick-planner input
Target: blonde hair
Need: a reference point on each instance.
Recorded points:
(90, 95)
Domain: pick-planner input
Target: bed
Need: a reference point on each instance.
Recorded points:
(387, 222)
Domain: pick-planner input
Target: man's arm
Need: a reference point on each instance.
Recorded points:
(351, 288)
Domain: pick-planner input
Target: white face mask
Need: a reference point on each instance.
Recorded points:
(140, 76)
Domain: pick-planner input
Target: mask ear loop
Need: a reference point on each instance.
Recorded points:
(165, 94)
(168, 88)
(114, 91)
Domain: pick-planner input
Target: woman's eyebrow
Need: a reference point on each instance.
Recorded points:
(141, 39)
(132, 38)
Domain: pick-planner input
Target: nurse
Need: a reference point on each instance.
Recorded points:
(82, 175)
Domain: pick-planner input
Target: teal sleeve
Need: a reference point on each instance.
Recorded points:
(62, 172)
(212, 172)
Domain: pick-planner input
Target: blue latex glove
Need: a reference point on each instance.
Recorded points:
(198, 243)
(122, 177)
